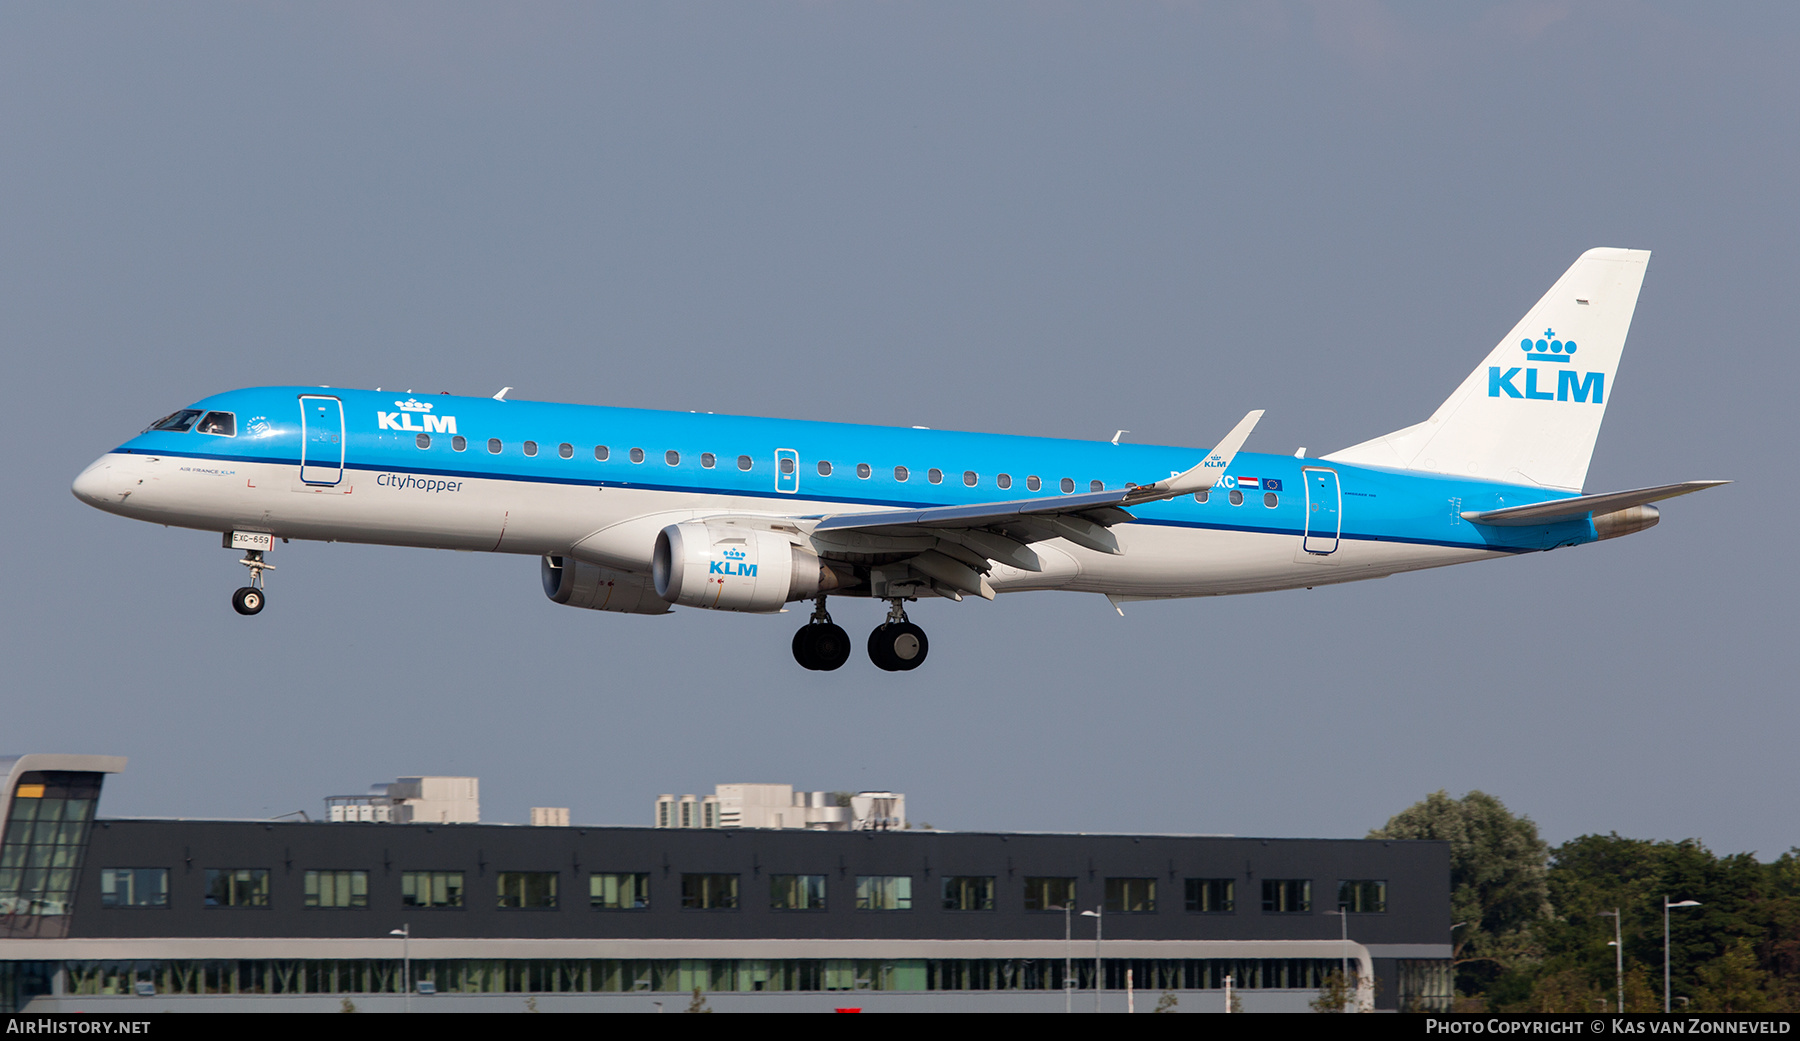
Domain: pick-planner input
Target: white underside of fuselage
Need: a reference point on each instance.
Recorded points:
(395, 508)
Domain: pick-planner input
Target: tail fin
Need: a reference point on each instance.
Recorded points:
(1530, 413)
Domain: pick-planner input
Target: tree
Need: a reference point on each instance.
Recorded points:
(1335, 993)
(1498, 886)
(699, 1002)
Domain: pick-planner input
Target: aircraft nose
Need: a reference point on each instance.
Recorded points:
(94, 484)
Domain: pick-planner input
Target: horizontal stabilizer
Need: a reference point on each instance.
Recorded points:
(1582, 505)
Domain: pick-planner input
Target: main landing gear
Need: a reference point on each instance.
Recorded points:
(897, 645)
(250, 599)
(821, 645)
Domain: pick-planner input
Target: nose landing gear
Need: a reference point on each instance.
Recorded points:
(250, 599)
(821, 645)
(897, 645)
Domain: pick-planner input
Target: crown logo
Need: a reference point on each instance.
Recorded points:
(1548, 349)
(414, 405)
(733, 554)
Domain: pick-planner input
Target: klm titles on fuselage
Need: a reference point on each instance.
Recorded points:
(1570, 385)
(403, 419)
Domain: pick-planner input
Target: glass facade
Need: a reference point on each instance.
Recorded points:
(46, 833)
(681, 976)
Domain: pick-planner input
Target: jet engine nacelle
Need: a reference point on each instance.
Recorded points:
(731, 567)
(569, 581)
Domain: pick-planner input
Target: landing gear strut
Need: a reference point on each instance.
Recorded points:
(250, 599)
(897, 645)
(821, 645)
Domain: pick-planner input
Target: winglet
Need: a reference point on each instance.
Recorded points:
(502, 395)
(1202, 477)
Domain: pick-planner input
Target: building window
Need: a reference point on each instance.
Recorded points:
(1049, 894)
(863, 471)
(237, 887)
(1211, 895)
(459, 443)
(422, 440)
(619, 892)
(431, 889)
(601, 453)
(900, 474)
(637, 455)
(46, 832)
(797, 892)
(708, 460)
(1130, 895)
(134, 887)
(1032, 483)
(1004, 481)
(566, 450)
(709, 892)
(337, 889)
(1363, 895)
(493, 446)
(743, 462)
(884, 892)
(531, 448)
(968, 892)
(1287, 895)
(672, 457)
(528, 890)
(1068, 485)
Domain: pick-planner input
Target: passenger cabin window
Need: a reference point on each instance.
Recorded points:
(531, 448)
(1202, 495)
(1237, 497)
(493, 446)
(637, 455)
(969, 478)
(824, 468)
(179, 422)
(601, 452)
(1032, 483)
(672, 457)
(223, 424)
(1271, 500)
(935, 475)
(1068, 485)
(459, 442)
(566, 450)
(708, 460)
(743, 462)
(787, 464)
(1096, 486)
(1004, 481)
(863, 471)
(422, 440)
(900, 474)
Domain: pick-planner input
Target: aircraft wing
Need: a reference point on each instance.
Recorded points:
(956, 545)
(1582, 505)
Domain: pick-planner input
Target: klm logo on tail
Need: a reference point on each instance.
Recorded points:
(1570, 385)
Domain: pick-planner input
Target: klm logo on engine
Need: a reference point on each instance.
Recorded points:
(733, 564)
(1570, 385)
(403, 419)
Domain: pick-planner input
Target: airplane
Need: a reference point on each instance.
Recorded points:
(639, 511)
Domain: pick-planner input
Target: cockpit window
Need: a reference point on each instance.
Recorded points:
(223, 424)
(176, 421)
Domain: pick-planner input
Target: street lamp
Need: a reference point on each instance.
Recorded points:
(1068, 957)
(1343, 913)
(405, 934)
(1666, 906)
(1099, 972)
(1619, 945)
